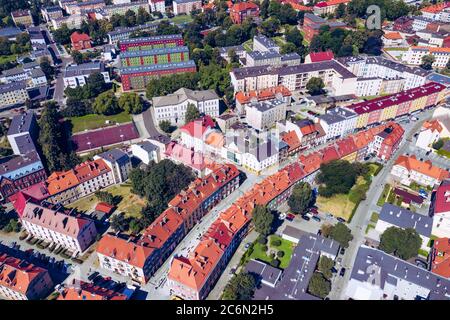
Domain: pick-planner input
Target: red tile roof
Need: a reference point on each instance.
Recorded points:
(433, 125)
(398, 98)
(296, 5)
(442, 200)
(89, 291)
(76, 37)
(436, 7)
(440, 257)
(244, 6)
(263, 94)
(393, 35)
(104, 207)
(292, 140)
(198, 127)
(186, 156)
(424, 167)
(321, 56)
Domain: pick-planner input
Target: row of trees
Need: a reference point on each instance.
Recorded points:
(20, 45)
(107, 103)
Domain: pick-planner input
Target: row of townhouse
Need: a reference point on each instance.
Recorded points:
(33, 77)
(244, 98)
(54, 224)
(77, 75)
(438, 12)
(381, 109)
(21, 280)
(415, 54)
(194, 276)
(139, 258)
(334, 75)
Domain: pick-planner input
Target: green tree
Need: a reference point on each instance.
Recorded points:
(165, 126)
(342, 234)
(241, 287)
(319, 286)
(438, 144)
(315, 86)
(427, 62)
(106, 104)
(12, 226)
(325, 265)
(288, 47)
(403, 243)
(340, 11)
(294, 36)
(300, 198)
(262, 219)
(77, 56)
(106, 197)
(337, 176)
(191, 114)
(119, 223)
(131, 103)
(270, 26)
(47, 68)
(142, 16)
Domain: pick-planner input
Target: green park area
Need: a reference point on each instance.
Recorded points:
(95, 121)
(7, 58)
(182, 18)
(268, 252)
(130, 204)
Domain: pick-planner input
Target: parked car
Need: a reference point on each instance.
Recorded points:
(421, 264)
(342, 273)
(304, 217)
(282, 216)
(290, 217)
(313, 210)
(342, 251)
(94, 275)
(247, 245)
(341, 219)
(334, 270)
(316, 218)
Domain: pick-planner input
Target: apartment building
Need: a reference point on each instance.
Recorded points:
(80, 41)
(77, 75)
(73, 21)
(149, 43)
(193, 134)
(121, 8)
(154, 56)
(386, 142)
(310, 133)
(52, 12)
(415, 54)
(429, 134)
(119, 162)
(123, 33)
(21, 280)
(263, 44)
(335, 76)
(409, 169)
(157, 5)
(337, 122)
(186, 6)
(243, 10)
(86, 178)
(172, 107)
(23, 126)
(441, 210)
(146, 152)
(55, 225)
(377, 275)
(13, 93)
(139, 258)
(265, 114)
(22, 18)
(80, 7)
(83, 291)
(440, 257)
(244, 98)
(312, 24)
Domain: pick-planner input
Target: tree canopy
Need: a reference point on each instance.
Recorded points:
(192, 113)
(106, 103)
(300, 198)
(341, 233)
(319, 286)
(262, 219)
(403, 243)
(325, 265)
(337, 176)
(241, 287)
(315, 86)
(131, 103)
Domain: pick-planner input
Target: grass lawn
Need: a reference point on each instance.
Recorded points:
(374, 217)
(10, 58)
(338, 205)
(396, 49)
(384, 195)
(248, 45)
(374, 168)
(130, 204)
(182, 18)
(285, 246)
(279, 41)
(443, 153)
(423, 253)
(95, 121)
(369, 226)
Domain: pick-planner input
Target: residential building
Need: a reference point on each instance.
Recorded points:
(409, 169)
(80, 41)
(14, 75)
(328, 7)
(377, 275)
(226, 120)
(22, 18)
(394, 216)
(435, 11)
(337, 122)
(36, 36)
(393, 106)
(55, 225)
(265, 114)
(186, 6)
(263, 44)
(10, 33)
(120, 34)
(239, 50)
(392, 39)
(149, 43)
(420, 23)
(81, 290)
(403, 24)
(80, 7)
(154, 56)
(21, 280)
(139, 258)
(172, 107)
(386, 142)
(13, 93)
(77, 75)
(23, 128)
(137, 78)
(440, 257)
(335, 76)
(441, 210)
(415, 54)
(312, 24)
(119, 162)
(244, 98)
(310, 134)
(20, 172)
(157, 5)
(193, 134)
(243, 10)
(319, 56)
(146, 152)
(52, 12)
(121, 8)
(73, 21)
(429, 134)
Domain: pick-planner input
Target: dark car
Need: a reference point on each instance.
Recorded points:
(305, 218)
(319, 233)
(421, 264)
(94, 275)
(342, 251)
(340, 219)
(316, 218)
(334, 270)
(342, 273)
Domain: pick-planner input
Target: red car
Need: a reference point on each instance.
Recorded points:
(314, 211)
(290, 216)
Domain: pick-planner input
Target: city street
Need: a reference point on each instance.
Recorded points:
(362, 214)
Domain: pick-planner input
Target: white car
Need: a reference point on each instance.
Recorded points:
(282, 216)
